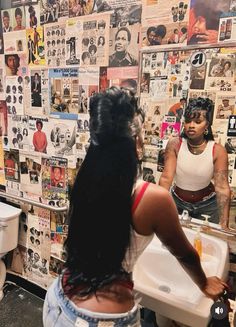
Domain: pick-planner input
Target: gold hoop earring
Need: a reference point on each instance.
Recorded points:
(206, 132)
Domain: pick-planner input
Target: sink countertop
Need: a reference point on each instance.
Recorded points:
(230, 239)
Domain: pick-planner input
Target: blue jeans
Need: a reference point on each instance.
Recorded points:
(59, 311)
(195, 210)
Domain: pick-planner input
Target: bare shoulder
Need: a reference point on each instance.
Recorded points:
(155, 208)
(156, 197)
(174, 142)
(219, 151)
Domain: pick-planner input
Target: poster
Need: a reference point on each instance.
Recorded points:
(64, 93)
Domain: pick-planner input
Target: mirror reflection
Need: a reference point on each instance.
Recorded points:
(196, 167)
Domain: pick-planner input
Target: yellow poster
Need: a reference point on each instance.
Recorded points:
(35, 46)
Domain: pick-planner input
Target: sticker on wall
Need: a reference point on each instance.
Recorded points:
(198, 59)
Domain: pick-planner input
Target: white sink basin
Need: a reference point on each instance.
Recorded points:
(168, 290)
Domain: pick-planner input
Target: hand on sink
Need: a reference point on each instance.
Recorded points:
(214, 287)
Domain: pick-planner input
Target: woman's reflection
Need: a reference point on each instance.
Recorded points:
(192, 161)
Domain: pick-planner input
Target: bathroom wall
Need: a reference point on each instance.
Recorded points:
(55, 54)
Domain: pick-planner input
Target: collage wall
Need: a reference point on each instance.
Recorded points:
(55, 54)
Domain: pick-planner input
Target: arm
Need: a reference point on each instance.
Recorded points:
(222, 184)
(168, 173)
(160, 216)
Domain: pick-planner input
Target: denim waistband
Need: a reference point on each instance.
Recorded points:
(74, 312)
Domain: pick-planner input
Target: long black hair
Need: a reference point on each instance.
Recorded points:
(192, 111)
(100, 203)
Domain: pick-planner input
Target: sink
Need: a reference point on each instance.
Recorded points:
(167, 289)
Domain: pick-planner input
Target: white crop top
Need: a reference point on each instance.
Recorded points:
(194, 172)
(138, 244)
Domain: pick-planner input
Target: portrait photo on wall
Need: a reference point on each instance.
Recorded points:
(204, 18)
(225, 105)
(123, 46)
(36, 96)
(12, 164)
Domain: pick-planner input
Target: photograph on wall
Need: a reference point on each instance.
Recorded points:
(18, 18)
(82, 135)
(124, 42)
(173, 10)
(7, 20)
(49, 11)
(94, 36)
(123, 77)
(176, 108)
(219, 130)
(23, 227)
(170, 129)
(154, 113)
(55, 44)
(166, 25)
(39, 134)
(30, 174)
(62, 138)
(77, 8)
(16, 64)
(88, 85)
(3, 119)
(155, 63)
(227, 29)
(37, 265)
(204, 20)
(176, 86)
(18, 263)
(1, 38)
(59, 222)
(222, 66)
(54, 181)
(15, 42)
(64, 93)
(198, 77)
(57, 248)
(14, 95)
(32, 14)
(172, 34)
(18, 132)
(150, 153)
(225, 105)
(149, 172)
(11, 165)
(35, 46)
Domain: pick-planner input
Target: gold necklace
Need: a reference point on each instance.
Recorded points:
(197, 145)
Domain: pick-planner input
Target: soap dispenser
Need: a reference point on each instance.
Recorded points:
(198, 243)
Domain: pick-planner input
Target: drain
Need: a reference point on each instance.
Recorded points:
(164, 288)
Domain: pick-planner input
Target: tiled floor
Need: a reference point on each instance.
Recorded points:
(19, 308)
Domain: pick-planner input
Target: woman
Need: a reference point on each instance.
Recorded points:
(112, 220)
(193, 161)
(227, 72)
